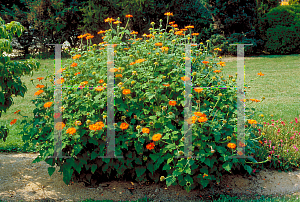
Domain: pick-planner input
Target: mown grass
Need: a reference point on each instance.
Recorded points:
(278, 86)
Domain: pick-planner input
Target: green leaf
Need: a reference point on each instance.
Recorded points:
(150, 167)
(227, 166)
(176, 173)
(166, 167)
(139, 147)
(154, 157)
(248, 168)
(170, 180)
(94, 155)
(207, 162)
(77, 148)
(140, 170)
(51, 170)
(93, 168)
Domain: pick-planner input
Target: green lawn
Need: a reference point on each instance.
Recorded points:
(278, 86)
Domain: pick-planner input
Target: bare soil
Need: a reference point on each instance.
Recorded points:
(22, 180)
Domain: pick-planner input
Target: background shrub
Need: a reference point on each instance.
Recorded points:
(279, 28)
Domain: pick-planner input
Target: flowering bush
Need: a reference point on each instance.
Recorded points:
(149, 100)
(280, 143)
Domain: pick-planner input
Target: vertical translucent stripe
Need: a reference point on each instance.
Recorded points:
(240, 103)
(57, 103)
(110, 105)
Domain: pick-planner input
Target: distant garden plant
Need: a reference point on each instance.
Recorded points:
(149, 102)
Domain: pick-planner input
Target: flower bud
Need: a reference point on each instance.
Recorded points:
(104, 116)
(194, 73)
(164, 108)
(170, 113)
(212, 151)
(162, 178)
(224, 121)
(182, 139)
(180, 152)
(115, 124)
(197, 101)
(151, 123)
(138, 127)
(123, 117)
(132, 82)
(228, 138)
(233, 80)
(263, 133)
(220, 94)
(156, 63)
(142, 121)
(164, 77)
(94, 73)
(145, 158)
(135, 116)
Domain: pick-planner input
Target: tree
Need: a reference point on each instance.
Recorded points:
(10, 72)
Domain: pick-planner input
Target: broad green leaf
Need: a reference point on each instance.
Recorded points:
(93, 168)
(51, 170)
(140, 171)
(77, 149)
(170, 180)
(227, 166)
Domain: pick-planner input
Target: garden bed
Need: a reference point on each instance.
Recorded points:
(21, 180)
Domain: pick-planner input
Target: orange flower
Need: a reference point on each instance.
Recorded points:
(40, 78)
(100, 81)
(185, 78)
(150, 146)
(172, 103)
(76, 57)
(40, 86)
(260, 74)
(95, 127)
(202, 119)
(231, 145)
(169, 14)
(198, 89)
(190, 26)
(252, 121)
(59, 125)
(156, 137)
(38, 92)
(56, 115)
(164, 49)
(74, 64)
(171, 23)
(124, 126)
(205, 62)
(140, 60)
(146, 130)
(240, 153)
(128, 16)
(241, 144)
(195, 34)
(99, 88)
(89, 37)
(47, 104)
(132, 63)
(117, 22)
(78, 123)
(77, 73)
(109, 20)
(167, 85)
(192, 120)
(133, 32)
(13, 121)
(217, 71)
(113, 70)
(71, 131)
(260, 142)
(17, 111)
(158, 44)
(175, 25)
(100, 124)
(100, 32)
(199, 114)
(126, 91)
(205, 175)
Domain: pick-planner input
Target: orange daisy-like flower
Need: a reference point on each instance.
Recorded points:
(202, 119)
(56, 115)
(77, 73)
(171, 23)
(133, 32)
(132, 63)
(190, 26)
(167, 85)
(260, 74)
(240, 153)
(195, 34)
(80, 37)
(124, 126)
(156, 137)
(146, 130)
(158, 44)
(198, 89)
(76, 57)
(113, 70)
(205, 62)
(48, 104)
(117, 22)
(185, 78)
(217, 71)
(40, 78)
(89, 37)
(99, 89)
(128, 16)
(38, 92)
(94, 127)
(168, 14)
(184, 29)
(78, 123)
(174, 25)
(221, 63)
(231, 145)
(260, 142)
(74, 64)
(40, 86)
(164, 49)
(241, 144)
(59, 125)
(71, 131)
(140, 60)
(13, 121)
(109, 20)
(252, 121)
(179, 33)
(172, 103)
(204, 175)
(126, 91)
(199, 114)
(17, 111)
(100, 124)
(192, 120)
(150, 146)
(100, 32)
(100, 81)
